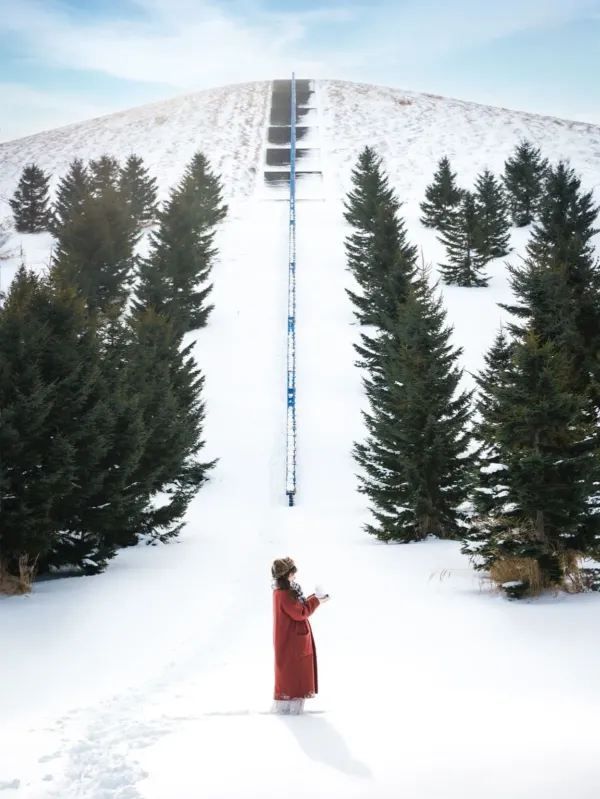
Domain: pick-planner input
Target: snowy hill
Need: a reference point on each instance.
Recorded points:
(409, 130)
(152, 680)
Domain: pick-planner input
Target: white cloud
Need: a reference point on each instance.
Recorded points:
(192, 44)
(181, 43)
(187, 43)
(198, 43)
(429, 30)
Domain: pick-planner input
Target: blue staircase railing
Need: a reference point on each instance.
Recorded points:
(290, 479)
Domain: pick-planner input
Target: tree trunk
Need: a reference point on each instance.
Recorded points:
(539, 527)
(427, 525)
(540, 530)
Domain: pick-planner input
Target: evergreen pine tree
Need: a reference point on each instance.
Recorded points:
(524, 174)
(492, 217)
(566, 218)
(414, 461)
(461, 237)
(71, 357)
(139, 191)
(547, 508)
(30, 202)
(490, 488)
(104, 175)
(541, 417)
(370, 190)
(35, 459)
(173, 413)
(173, 279)
(561, 253)
(378, 253)
(72, 191)
(100, 431)
(95, 250)
(120, 501)
(389, 265)
(54, 427)
(202, 191)
(442, 196)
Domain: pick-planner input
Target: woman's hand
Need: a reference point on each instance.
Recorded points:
(324, 598)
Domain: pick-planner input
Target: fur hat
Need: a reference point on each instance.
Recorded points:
(281, 567)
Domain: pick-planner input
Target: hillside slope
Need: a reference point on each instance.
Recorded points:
(410, 131)
(225, 123)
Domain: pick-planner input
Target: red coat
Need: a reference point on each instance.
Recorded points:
(295, 654)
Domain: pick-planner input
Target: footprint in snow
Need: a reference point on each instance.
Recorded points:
(46, 758)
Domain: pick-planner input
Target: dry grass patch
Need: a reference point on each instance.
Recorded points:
(524, 576)
(14, 585)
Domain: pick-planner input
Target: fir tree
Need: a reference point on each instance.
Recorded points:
(566, 217)
(541, 416)
(174, 277)
(414, 461)
(94, 251)
(97, 409)
(72, 191)
(389, 265)
(492, 217)
(462, 237)
(441, 197)
(547, 509)
(560, 255)
(55, 427)
(139, 191)
(369, 194)
(489, 489)
(173, 413)
(524, 174)
(104, 175)
(82, 412)
(370, 190)
(35, 457)
(30, 201)
(121, 498)
(378, 253)
(100, 431)
(202, 190)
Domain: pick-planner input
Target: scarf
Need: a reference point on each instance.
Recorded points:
(295, 588)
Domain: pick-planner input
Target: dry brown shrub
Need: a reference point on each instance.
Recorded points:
(527, 570)
(571, 562)
(14, 585)
(523, 570)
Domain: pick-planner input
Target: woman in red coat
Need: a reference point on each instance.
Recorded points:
(295, 654)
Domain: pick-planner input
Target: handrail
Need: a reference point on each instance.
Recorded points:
(290, 479)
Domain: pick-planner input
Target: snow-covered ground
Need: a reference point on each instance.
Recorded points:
(153, 680)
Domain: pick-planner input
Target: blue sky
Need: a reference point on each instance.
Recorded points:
(66, 60)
